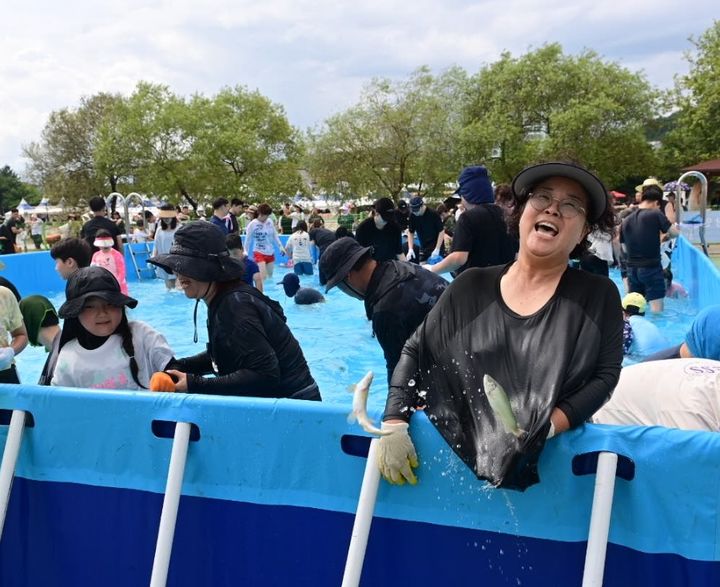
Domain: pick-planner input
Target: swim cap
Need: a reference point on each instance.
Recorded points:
(634, 303)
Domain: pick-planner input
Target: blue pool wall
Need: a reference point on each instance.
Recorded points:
(34, 273)
(697, 273)
(271, 486)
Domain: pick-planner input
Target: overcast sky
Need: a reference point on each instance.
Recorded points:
(313, 57)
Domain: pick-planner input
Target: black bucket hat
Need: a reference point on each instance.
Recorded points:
(598, 197)
(339, 258)
(199, 251)
(92, 282)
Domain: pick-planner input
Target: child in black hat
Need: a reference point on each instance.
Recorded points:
(98, 347)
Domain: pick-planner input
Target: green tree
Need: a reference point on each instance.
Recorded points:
(246, 144)
(13, 189)
(62, 162)
(547, 105)
(696, 136)
(399, 135)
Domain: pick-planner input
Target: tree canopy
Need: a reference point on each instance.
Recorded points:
(235, 143)
(548, 105)
(399, 134)
(696, 100)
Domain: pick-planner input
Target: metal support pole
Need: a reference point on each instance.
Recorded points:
(166, 532)
(363, 519)
(600, 520)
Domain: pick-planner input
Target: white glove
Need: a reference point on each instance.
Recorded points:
(7, 354)
(410, 254)
(396, 456)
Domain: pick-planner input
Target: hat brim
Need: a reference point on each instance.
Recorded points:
(345, 268)
(72, 308)
(167, 214)
(598, 197)
(219, 269)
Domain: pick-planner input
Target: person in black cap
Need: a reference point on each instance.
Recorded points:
(481, 237)
(397, 295)
(303, 296)
(512, 354)
(251, 349)
(381, 232)
(429, 227)
(98, 347)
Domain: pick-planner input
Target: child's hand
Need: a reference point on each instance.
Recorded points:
(180, 379)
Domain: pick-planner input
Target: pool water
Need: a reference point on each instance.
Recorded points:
(335, 336)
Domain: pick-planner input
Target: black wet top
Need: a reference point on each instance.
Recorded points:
(482, 233)
(398, 297)
(253, 351)
(386, 241)
(640, 233)
(568, 354)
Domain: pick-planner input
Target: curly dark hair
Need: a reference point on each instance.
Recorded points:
(606, 222)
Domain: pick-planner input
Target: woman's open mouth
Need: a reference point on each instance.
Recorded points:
(547, 228)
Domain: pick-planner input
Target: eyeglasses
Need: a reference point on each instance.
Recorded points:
(543, 199)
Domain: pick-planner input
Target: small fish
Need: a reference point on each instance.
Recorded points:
(359, 412)
(500, 404)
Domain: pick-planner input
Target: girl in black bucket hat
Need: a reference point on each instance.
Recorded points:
(251, 350)
(98, 346)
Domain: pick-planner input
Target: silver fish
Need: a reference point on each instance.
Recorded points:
(359, 407)
(500, 405)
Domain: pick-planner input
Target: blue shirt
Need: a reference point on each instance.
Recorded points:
(220, 223)
(251, 268)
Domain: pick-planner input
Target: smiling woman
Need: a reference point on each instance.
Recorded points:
(549, 337)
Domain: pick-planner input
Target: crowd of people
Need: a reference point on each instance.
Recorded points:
(530, 321)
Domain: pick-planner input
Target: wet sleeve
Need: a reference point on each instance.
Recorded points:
(390, 332)
(402, 400)
(590, 397)
(256, 365)
(199, 364)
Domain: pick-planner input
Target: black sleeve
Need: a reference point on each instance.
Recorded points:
(398, 239)
(244, 355)
(389, 329)
(199, 364)
(463, 237)
(402, 398)
(665, 224)
(585, 402)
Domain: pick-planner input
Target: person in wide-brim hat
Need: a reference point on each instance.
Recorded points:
(250, 347)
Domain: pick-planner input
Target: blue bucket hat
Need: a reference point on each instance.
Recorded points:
(474, 185)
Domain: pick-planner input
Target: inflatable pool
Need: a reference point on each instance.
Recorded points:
(270, 489)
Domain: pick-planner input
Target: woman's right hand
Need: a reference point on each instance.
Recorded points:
(396, 456)
(181, 383)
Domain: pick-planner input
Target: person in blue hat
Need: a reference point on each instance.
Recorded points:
(302, 295)
(428, 225)
(481, 237)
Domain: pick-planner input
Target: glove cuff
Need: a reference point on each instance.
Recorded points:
(395, 427)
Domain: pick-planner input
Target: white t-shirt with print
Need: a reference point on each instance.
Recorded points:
(263, 236)
(10, 316)
(300, 243)
(108, 366)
